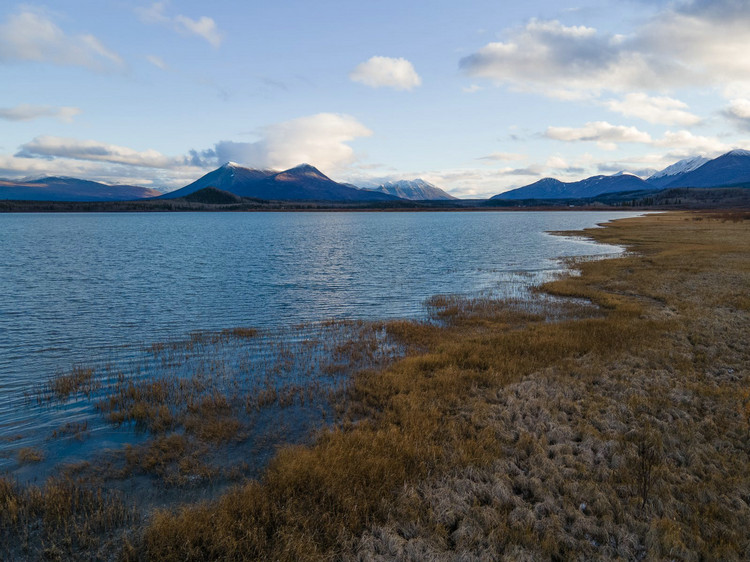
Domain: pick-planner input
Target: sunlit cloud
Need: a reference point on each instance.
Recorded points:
(660, 109)
(693, 44)
(378, 72)
(321, 140)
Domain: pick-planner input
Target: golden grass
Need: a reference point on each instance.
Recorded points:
(30, 455)
(604, 434)
(59, 521)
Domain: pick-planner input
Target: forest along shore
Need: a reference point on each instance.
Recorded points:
(550, 431)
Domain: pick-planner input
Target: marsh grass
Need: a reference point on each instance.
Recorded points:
(61, 520)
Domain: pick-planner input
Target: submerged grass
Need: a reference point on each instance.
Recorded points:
(547, 430)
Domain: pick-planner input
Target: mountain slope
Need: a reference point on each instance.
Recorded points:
(302, 182)
(728, 169)
(678, 169)
(230, 177)
(71, 189)
(550, 188)
(413, 190)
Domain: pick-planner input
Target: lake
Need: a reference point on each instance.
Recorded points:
(81, 289)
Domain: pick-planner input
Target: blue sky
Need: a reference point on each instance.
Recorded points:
(477, 97)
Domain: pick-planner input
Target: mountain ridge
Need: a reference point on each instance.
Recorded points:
(63, 188)
(413, 190)
(302, 182)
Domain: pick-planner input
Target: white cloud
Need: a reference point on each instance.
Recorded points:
(158, 62)
(27, 112)
(695, 44)
(556, 162)
(19, 167)
(503, 156)
(204, 27)
(606, 135)
(691, 144)
(321, 140)
(661, 109)
(739, 112)
(59, 147)
(740, 108)
(31, 36)
(378, 72)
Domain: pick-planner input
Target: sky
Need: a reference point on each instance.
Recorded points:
(477, 97)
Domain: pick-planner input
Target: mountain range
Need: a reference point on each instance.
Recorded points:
(303, 182)
(730, 169)
(307, 183)
(413, 190)
(71, 189)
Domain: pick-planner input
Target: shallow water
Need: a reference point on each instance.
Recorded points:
(94, 289)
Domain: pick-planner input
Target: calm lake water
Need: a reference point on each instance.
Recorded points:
(84, 288)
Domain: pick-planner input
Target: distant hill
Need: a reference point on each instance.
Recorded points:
(550, 188)
(413, 190)
(213, 196)
(302, 182)
(71, 189)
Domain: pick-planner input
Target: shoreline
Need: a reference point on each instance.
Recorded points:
(423, 461)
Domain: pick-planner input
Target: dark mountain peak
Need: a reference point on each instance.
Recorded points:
(304, 167)
(547, 181)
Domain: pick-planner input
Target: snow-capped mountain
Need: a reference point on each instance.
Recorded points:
(414, 190)
(670, 173)
(732, 168)
(303, 182)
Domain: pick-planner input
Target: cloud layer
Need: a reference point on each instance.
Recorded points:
(700, 43)
(27, 112)
(386, 72)
(46, 146)
(31, 36)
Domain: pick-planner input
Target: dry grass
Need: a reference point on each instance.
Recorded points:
(60, 521)
(79, 379)
(505, 436)
(30, 455)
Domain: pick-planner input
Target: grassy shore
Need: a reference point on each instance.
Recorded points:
(522, 431)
